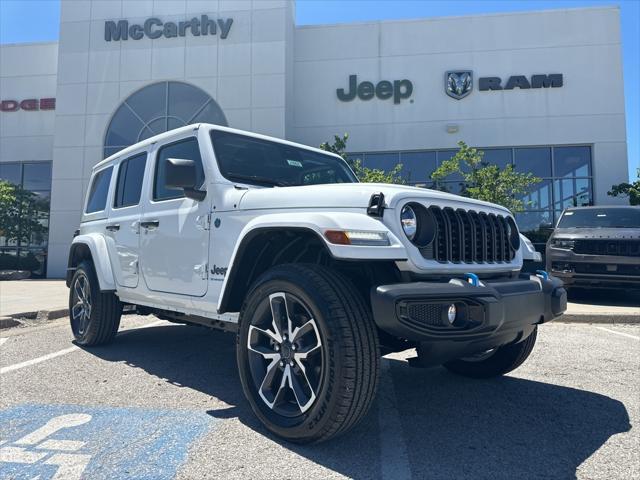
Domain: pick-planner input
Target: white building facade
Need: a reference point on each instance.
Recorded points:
(540, 90)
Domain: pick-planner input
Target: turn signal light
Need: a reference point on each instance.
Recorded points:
(356, 237)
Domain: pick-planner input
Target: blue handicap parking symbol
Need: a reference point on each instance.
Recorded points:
(55, 442)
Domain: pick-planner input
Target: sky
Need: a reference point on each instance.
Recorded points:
(44, 15)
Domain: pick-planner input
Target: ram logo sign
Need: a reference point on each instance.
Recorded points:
(458, 83)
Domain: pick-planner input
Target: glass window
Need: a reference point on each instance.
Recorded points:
(605, 217)
(130, 176)
(417, 166)
(539, 196)
(37, 176)
(24, 233)
(157, 108)
(124, 129)
(571, 192)
(382, 161)
(99, 190)
(534, 224)
(572, 161)
(262, 162)
(187, 149)
(497, 156)
(11, 172)
(149, 102)
(536, 160)
(446, 155)
(185, 101)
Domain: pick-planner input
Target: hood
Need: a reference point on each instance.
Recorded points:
(597, 233)
(350, 195)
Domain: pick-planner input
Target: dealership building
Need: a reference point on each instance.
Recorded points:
(540, 90)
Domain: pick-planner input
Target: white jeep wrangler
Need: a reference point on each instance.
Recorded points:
(319, 275)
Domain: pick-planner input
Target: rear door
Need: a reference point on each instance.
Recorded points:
(174, 236)
(123, 228)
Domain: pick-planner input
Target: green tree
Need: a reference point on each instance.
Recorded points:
(20, 212)
(631, 190)
(364, 174)
(486, 182)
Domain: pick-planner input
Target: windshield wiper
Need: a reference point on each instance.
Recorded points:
(258, 179)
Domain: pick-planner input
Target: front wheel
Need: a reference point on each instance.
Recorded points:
(495, 362)
(307, 352)
(94, 315)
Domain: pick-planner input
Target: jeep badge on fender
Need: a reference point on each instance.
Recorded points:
(321, 276)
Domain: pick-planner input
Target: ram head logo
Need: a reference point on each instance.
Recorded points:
(458, 83)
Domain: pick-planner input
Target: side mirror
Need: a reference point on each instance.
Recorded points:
(546, 226)
(181, 174)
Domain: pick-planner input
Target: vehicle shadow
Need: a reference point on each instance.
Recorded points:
(603, 296)
(443, 426)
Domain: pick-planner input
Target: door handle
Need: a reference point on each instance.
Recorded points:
(114, 227)
(150, 224)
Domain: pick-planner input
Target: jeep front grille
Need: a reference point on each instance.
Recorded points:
(621, 248)
(469, 237)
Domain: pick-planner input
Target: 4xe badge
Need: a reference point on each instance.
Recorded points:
(458, 83)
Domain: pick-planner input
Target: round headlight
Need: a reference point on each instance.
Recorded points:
(409, 222)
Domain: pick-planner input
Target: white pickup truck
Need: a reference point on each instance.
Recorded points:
(318, 274)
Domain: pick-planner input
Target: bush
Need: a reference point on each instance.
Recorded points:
(14, 262)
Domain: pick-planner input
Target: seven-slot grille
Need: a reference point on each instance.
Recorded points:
(469, 237)
(621, 248)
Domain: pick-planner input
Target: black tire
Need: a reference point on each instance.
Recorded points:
(503, 360)
(342, 381)
(100, 326)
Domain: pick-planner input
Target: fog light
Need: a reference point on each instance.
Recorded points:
(451, 314)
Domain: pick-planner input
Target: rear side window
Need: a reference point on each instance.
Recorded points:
(185, 149)
(129, 186)
(99, 191)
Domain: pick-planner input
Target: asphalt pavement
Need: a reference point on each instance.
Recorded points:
(164, 401)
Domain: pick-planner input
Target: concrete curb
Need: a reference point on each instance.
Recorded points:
(15, 319)
(625, 318)
(8, 322)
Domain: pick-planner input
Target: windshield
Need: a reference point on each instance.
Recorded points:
(601, 218)
(260, 162)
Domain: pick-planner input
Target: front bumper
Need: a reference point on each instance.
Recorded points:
(491, 314)
(599, 270)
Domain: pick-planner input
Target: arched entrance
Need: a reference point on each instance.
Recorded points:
(157, 108)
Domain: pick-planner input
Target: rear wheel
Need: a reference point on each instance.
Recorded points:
(495, 362)
(307, 353)
(94, 315)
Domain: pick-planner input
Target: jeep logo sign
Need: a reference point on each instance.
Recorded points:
(155, 28)
(398, 90)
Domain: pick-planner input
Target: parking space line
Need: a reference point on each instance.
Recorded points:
(59, 353)
(393, 449)
(619, 333)
(34, 361)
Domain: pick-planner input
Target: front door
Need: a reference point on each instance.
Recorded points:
(122, 229)
(174, 236)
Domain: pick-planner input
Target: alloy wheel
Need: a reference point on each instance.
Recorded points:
(285, 355)
(81, 301)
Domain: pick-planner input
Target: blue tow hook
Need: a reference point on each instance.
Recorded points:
(472, 278)
(542, 274)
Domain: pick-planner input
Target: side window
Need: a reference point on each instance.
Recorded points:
(129, 185)
(99, 190)
(186, 149)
